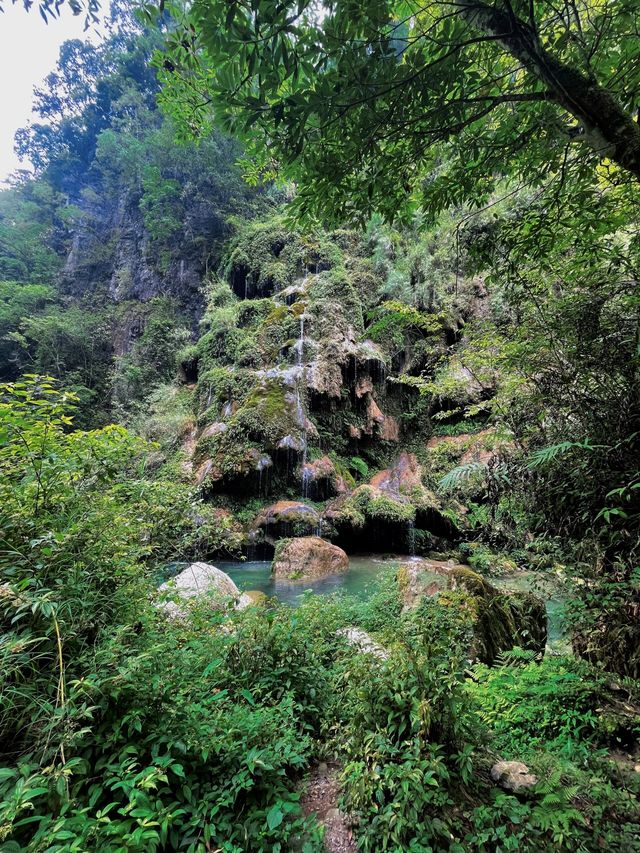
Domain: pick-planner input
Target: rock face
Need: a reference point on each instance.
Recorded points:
(255, 597)
(308, 557)
(320, 480)
(401, 479)
(202, 579)
(287, 518)
(513, 776)
(390, 513)
(111, 246)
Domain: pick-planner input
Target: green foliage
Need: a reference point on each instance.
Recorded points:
(555, 714)
(151, 357)
(548, 704)
(357, 464)
(393, 321)
(433, 106)
(35, 224)
(461, 475)
(367, 505)
(406, 730)
(17, 301)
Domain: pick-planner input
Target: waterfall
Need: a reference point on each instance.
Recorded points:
(411, 537)
(300, 344)
(306, 476)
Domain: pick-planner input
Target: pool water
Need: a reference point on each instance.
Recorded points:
(358, 581)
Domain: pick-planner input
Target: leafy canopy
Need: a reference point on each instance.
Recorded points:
(375, 103)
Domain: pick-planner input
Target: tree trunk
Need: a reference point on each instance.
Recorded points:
(608, 128)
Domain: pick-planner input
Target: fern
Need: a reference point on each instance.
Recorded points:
(460, 475)
(517, 657)
(356, 463)
(548, 454)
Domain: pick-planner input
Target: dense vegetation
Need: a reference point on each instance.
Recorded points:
(415, 329)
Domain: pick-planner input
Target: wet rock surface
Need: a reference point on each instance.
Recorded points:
(287, 518)
(308, 557)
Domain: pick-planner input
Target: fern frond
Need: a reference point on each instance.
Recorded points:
(517, 657)
(460, 475)
(547, 454)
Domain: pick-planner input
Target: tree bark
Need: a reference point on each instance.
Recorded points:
(608, 128)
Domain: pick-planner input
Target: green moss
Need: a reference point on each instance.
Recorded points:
(333, 297)
(367, 504)
(253, 312)
(267, 256)
(500, 621)
(220, 385)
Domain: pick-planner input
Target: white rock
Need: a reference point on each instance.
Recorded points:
(200, 579)
(513, 776)
(363, 642)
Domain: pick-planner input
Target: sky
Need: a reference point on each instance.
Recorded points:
(28, 52)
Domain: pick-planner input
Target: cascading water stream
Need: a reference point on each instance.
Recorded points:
(304, 485)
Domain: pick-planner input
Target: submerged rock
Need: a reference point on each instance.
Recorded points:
(201, 579)
(308, 557)
(255, 597)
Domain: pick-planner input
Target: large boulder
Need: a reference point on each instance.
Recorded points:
(500, 620)
(201, 580)
(423, 577)
(308, 557)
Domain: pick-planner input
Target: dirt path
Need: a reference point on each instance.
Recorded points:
(321, 797)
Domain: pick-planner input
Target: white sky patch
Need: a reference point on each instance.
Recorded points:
(28, 52)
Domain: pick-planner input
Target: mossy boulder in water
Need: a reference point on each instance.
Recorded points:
(500, 621)
(308, 557)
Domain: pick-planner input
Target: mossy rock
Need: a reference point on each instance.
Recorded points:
(612, 642)
(500, 620)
